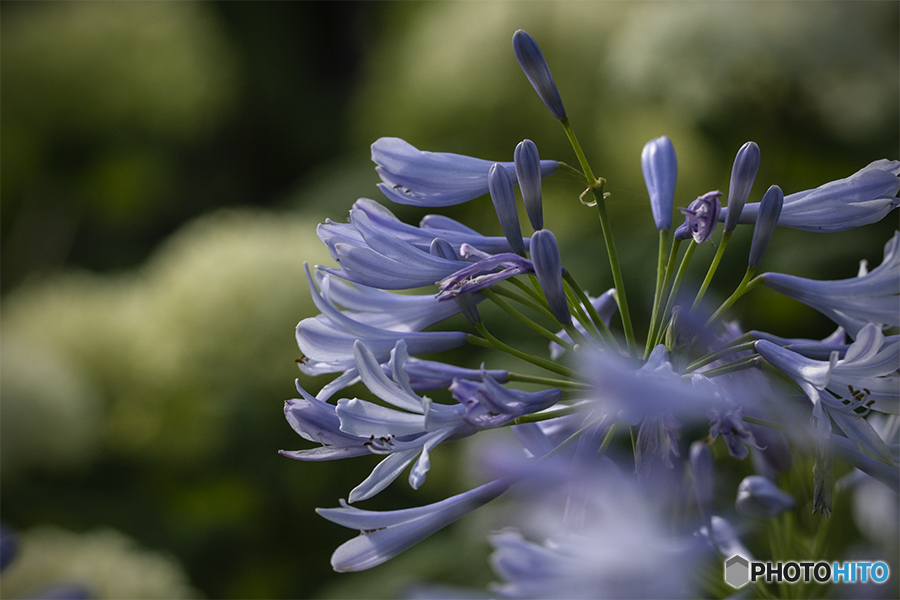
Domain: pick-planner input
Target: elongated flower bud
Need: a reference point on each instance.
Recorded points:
(548, 268)
(766, 220)
(746, 164)
(700, 218)
(758, 497)
(702, 472)
(660, 169)
(503, 195)
(443, 249)
(528, 172)
(532, 61)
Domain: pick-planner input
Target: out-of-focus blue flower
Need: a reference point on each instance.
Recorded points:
(865, 197)
(486, 272)
(766, 221)
(758, 497)
(548, 268)
(606, 306)
(384, 534)
(725, 539)
(420, 178)
(725, 418)
(503, 196)
(9, 546)
(700, 218)
(743, 173)
(326, 340)
(532, 61)
(871, 297)
(702, 473)
(660, 169)
(489, 404)
(847, 389)
(656, 438)
(528, 172)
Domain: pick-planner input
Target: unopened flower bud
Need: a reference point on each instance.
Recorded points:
(548, 268)
(760, 497)
(532, 61)
(503, 195)
(766, 220)
(528, 172)
(700, 217)
(746, 164)
(660, 169)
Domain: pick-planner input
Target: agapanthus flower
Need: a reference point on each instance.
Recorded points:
(660, 168)
(420, 178)
(865, 197)
(746, 164)
(766, 220)
(533, 63)
(528, 172)
(759, 497)
(548, 268)
(500, 185)
(700, 218)
(484, 273)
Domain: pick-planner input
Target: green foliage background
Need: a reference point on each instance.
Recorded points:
(163, 169)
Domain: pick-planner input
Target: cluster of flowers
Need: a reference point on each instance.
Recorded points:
(695, 372)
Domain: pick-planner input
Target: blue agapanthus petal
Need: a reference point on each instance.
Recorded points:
(413, 176)
(766, 221)
(533, 63)
(528, 172)
(548, 268)
(700, 218)
(746, 164)
(484, 273)
(500, 185)
(432, 375)
(660, 167)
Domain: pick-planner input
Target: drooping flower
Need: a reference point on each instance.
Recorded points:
(871, 297)
(660, 168)
(700, 218)
(533, 63)
(865, 197)
(759, 497)
(385, 534)
(420, 178)
(746, 164)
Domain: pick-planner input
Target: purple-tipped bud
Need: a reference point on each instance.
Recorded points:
(766, 220)
(532, 61)
(443, 249)
(746, 164)
(700, 218)
(660, 171)
(528, 172)
(702, 472)
(548, 268)
(758, 497)
(500, 186)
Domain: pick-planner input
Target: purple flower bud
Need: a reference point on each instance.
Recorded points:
(660, 171)
(702, 471)
(548, 268)
(759, 497)
(500, 186)
(746, 164)
(766, 220)
(700, 218)
(443, 249)
(528, 172)
(532, 61)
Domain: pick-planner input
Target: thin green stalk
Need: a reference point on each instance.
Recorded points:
(660, 273)
(539, 298)
(501, 291)
(572, 171)
(582, 160)
(490, 295)
(682, 268)
(746, 284)
(734, 346)
(540, 362)
(599, 324)
(670, 271)
(738, 365)
(712, 269)
(549, 414)
(764, 423)
(559, 383)
(580, 315)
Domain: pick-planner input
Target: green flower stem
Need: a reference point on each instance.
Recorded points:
(575, 437)
(540, 362)
(595, 186)
(734, 346)
(572, 171)
(501, 291)
(525, 320)
(682, 268)
(598, 323)
(559, 383)
(670, 271)
(764, 423)
(660, 273)
(549, 414)
(712, 269)
(738, 365)
(746, 284)
(580, 315)
(539, 298)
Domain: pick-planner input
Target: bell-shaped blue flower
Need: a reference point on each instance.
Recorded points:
(700, 218)
(528, 172)
(385, 534)
(766, 221)
(758, 497)
(746, 164)
(660, 169)
(503, 195)
(532, 61)
(865, 197)
(420, 178)
(548, 268)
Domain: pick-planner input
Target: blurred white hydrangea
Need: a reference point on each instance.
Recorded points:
(106, 562)
(178, 343)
